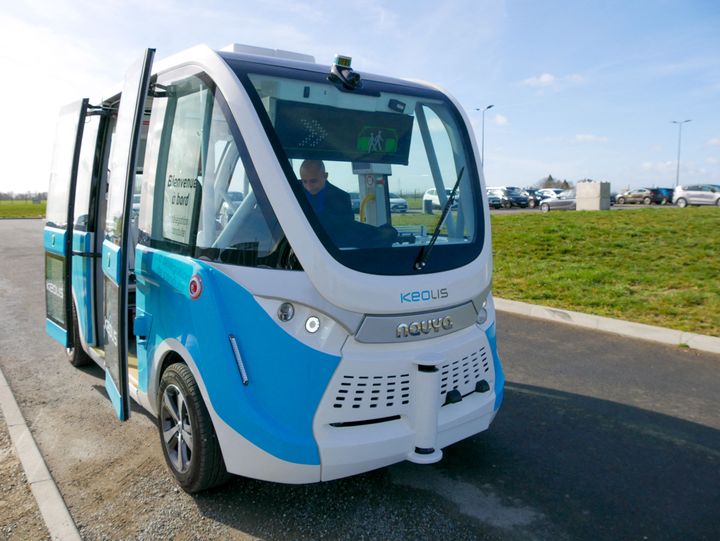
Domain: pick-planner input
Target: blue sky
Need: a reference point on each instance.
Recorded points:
(581, 89)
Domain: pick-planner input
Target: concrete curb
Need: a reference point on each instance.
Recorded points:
(55, 513)
(701, 342)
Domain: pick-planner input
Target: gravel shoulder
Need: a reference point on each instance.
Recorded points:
(19, 515)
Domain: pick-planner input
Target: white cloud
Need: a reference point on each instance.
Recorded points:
(546, 79)
(715, 141)
(501, 120)
(588, 137)
(712, 161)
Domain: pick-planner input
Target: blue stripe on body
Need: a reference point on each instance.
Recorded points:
(499, 374)
(287, 378)
(56, 332)
(114, 395)
(54, 240)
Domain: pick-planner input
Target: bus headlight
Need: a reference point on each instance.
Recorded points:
(312, 324)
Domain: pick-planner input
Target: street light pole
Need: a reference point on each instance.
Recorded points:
(482, 139)
(677, 172)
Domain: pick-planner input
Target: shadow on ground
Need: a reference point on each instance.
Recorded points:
(553, 465)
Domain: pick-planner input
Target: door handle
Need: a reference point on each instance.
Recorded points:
(94, 255)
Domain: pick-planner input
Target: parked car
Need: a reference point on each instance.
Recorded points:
(646, 196)
(549, 192)
(432, 195)
(534, 197)
(513, 196)
(397, 203)
(494, 200)
(565, 201)
(498, 194)
(697, 194)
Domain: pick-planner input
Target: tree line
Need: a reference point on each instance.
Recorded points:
(23, 196)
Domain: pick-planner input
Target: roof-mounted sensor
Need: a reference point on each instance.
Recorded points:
(341, 72)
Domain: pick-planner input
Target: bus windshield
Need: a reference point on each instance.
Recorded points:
(373, 169)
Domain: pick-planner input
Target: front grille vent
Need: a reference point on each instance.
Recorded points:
(357, 392)
(463, 374)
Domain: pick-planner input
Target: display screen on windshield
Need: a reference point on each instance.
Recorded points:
(321, 132)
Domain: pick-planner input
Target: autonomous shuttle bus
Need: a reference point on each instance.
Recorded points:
(201, 247)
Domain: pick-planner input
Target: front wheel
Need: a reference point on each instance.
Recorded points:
(647, 201)
(621, 201)
(682, 203)
(717, 202)
(544, 207)
(188, 438)
(532, 204)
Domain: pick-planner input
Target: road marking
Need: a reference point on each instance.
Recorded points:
(535, 393)
(55, 513)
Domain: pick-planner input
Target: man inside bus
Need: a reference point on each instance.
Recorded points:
(331, 204)
(334, 210)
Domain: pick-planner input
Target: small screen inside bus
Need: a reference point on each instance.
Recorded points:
(320, 132)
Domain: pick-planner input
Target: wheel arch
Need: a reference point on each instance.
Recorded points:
(167, 353)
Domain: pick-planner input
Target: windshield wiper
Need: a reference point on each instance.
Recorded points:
(424, 254)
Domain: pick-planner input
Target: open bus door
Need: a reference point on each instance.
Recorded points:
(115, 247)
(58, 225)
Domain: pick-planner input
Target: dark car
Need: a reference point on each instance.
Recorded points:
(516, 197)
(646, 196)
(565, 201)
(534, 197)
(666, 195)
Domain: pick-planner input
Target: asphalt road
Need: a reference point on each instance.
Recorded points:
(600, 437)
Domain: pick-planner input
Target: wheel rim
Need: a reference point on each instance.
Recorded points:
(176, 428)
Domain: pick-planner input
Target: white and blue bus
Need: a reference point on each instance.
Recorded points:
(275, 332)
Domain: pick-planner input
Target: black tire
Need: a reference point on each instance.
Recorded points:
(197, 464)
(717, 202)
(506, 204)
(647, 201)
(681, 202)
(76, 355)
(620, 200)
(544, 207)
(532, 204)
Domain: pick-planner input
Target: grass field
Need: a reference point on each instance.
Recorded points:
(659, 266)
(21, 209)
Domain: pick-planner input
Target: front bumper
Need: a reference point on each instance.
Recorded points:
(389, 403)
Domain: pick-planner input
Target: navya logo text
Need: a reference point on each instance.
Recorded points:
(424, 295)
(416, 328)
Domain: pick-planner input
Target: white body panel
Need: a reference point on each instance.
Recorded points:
(340, 286)
(422, 422)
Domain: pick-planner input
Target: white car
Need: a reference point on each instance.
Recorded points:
(397, 203)
(550, 192)
(432, 195)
